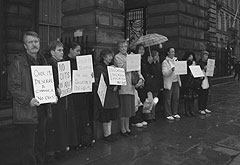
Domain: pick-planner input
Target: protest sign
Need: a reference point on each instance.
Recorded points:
(43, 84)
(133, 62)
(196, 71)
(64, 76)
(85, 63)
(81, 81)
(210, 67)
(180, 67)
(102, 89)
(116, 76)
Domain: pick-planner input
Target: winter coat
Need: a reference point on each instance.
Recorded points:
(21, 88)
(168, 74)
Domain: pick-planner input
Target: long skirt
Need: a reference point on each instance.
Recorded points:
(127, 105)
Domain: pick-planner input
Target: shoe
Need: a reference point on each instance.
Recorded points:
(139, 125)
(202, 112)
(109, 138)
(176, 116)
(207, 111)
(129, 133)
(124, 134)
(170, 118)
(144, 123)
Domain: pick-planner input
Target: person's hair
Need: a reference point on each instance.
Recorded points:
(187, 54)
(54, 44)
(168, 49)
(137, 47)
(30, 33)
(73, 45)
(120, 42)
(105, 52)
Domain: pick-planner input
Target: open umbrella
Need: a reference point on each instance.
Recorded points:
(149, 40)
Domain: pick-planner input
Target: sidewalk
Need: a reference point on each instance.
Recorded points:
(211, 139)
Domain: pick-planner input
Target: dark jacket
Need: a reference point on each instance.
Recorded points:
(21, 88)
(111, 98)
(202, 65)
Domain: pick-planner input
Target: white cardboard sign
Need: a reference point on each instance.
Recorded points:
(85, 63)
(116, 76)
(43, 84)
(133, 62)
(102, 89)
(81, 82)
(64, 76)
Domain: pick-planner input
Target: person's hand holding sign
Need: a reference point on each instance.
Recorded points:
(34, 102)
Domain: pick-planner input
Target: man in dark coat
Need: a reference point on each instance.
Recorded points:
(25, 105)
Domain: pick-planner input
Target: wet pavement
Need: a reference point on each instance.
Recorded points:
(203, 140)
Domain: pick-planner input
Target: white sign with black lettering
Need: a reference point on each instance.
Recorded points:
(116, 76)
(64, 76)
(85, 63)
(82, 82)
(43, 84)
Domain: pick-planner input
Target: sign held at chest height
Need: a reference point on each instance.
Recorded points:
(43, 84)
(64, 75)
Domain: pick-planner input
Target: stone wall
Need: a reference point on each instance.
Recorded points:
(101, 20)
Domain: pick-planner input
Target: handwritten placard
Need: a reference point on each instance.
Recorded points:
(210, 67)
(180, 67)
(64, 76)
(196, 71)
(133, 62)
(116, 76)
(85, 63)
(102, 89)
(43, 84)
(82, 82)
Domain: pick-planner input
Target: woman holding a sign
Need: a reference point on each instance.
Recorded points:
(127, 92)
(62, 126)
(203, 91)
(189, 90)
(172, 84)
(106, 95)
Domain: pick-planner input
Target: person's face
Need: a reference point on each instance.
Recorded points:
(108, 59)
(156, 57)
(141, 50)
(190, 57)
(31, 44)
(123, 48)
(57, 53)
(75, 52)
(205, 57)
(171, 53)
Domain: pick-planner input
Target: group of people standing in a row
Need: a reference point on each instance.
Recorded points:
(68, 123)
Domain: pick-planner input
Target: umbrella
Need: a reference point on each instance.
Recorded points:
(150, 39)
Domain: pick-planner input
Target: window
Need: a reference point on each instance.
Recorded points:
(135, 24)
(49, 21)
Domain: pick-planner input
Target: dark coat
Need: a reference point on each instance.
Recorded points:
(111, 98)
(21, 88)
(156, 80)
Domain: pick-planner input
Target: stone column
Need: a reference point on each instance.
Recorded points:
(101, 20)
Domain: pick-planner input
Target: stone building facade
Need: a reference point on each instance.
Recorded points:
(189, 24)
